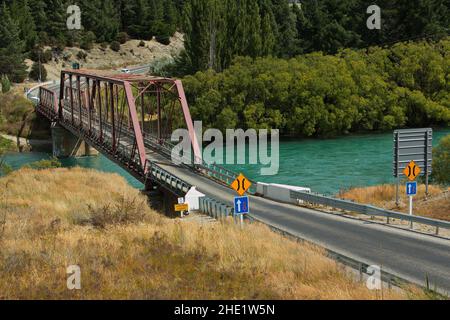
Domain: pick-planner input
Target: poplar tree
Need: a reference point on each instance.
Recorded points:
(11, 47)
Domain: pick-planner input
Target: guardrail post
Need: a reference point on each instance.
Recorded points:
(223, 211)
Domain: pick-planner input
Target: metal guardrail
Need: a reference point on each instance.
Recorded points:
(362, 267)
(166, 178)
(214, 208)
(367, 209)
(211, 207)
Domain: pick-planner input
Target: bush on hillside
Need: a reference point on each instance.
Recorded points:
(122, 37)
(81, 55)
(87, 41)
(16, 115)
(6, 84)
(115, 46)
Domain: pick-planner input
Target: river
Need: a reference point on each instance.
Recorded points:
(325, 166)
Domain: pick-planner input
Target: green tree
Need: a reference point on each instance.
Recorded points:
(441, 161)
(6, 84)
(38, 72)
(21, 13)
(11, 47)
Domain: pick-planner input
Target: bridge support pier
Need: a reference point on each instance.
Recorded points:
(65, 144)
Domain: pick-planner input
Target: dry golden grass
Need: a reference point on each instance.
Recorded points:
(50, 223)
(436, 206)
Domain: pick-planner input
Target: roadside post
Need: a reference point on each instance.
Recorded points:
(411, 191)
(412, 145)
(241, 203)
(181, 207)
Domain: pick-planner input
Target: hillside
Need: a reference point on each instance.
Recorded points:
(131, 53)
(51, 219)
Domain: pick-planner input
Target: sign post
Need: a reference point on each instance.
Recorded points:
(411, 191)
(241, 203)
(241, 207)
(181, 207)
(412, 145)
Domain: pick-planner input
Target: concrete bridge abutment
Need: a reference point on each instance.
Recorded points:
(65, 144)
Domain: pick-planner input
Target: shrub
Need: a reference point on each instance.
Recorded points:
(52, 163)
(441, 161)
(6, 84)
(122, 37)
(115, 46)
(47, 56)
(163, 39)
(37, 54)
(87, 42)
(81, 55)
(67, 56)
(124, 211)
(35, 74)
(5, 168)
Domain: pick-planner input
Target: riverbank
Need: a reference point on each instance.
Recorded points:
(55, 218)
(25, 145)
(436, 205)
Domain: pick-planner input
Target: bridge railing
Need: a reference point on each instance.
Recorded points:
(367, 209)
(209, 206)
(48, 102)
(164, 177)
(211, 170)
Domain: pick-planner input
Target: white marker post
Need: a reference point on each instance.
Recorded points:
(411, 209)
(411, 191)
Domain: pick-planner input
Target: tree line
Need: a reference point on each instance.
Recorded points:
(323, 95)
(215, 31)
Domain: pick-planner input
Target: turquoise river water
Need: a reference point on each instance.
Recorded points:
(326, 166)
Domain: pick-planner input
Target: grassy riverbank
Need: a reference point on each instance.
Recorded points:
(50, 219)
(436, 205)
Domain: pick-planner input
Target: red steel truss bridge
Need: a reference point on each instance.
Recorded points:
(130, 119)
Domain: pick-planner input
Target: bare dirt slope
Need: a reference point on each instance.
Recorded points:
(130, 54)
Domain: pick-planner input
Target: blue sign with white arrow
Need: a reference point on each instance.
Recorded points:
(241, 206)
(411, 188)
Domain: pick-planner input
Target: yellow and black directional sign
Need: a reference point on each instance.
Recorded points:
(241, 184)
(412, 171)
(181, 207)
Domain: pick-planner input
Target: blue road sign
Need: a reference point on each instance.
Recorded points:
(241, 206)
(411, 188)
